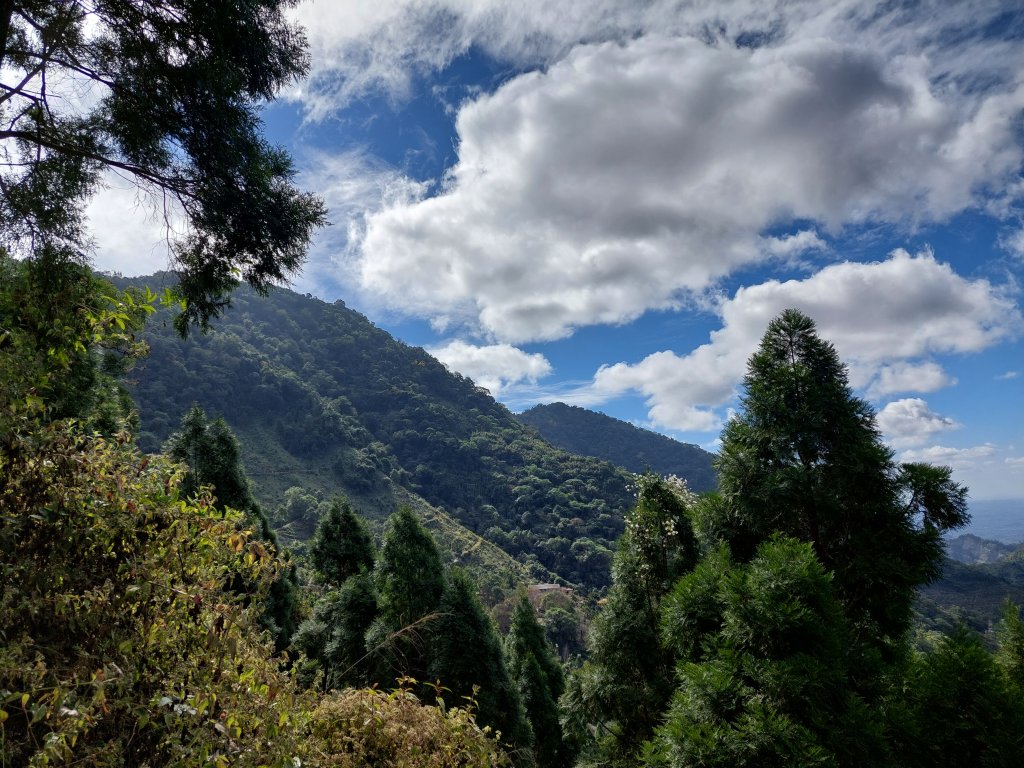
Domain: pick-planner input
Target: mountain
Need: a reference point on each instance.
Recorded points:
(588, 433)
(972, 549)
(322, 399)
(973, 594)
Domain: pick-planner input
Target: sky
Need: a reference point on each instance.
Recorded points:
(604, 202)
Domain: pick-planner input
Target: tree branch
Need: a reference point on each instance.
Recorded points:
(178, 186)
(6, 12)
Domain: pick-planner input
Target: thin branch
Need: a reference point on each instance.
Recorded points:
(17, 90)
(176, 185)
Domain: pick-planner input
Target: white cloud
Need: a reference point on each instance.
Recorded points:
(627, 175)
(129, 228)
(909, 377)
(352, 184)
(1016, 463)
(882, 317)
(1013, 242)
(802, 242)
(358, 46)
(1008, 375)
(910, 422)
(957, 458)
(494, 367)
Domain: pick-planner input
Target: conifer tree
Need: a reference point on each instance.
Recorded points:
(212, 455)
(804, 458)
(409, 579)
(964, 710)
(762, 678)
(468, 660)
(333, 638)
(342, 545)
(537, 674)
(626, 685)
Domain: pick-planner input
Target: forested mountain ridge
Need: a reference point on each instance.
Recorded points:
(321, 398)
(588, 433)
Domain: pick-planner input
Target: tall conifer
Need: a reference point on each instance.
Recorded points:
(804, 458)
(467, 655)
(409, 578)
(537, 674)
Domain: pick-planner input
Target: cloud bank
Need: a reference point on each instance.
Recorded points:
(629, 175)
(886, 320)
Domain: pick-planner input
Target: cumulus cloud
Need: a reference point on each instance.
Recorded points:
(357, 47)
(883, 318)
(352, 184)
(957, 458)
(909, 377)
(1008, 376)
(494, 367)
(628, 175)
(910, 422)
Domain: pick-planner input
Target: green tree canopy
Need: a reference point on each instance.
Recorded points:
(537, 674)
(762, 678)
(212, 456)
(804, 458)
(342, 545)
(466, 656)
(175, 87)
(66, 336)
(409, 578)
(628, 681)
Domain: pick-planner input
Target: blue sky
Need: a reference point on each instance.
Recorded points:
(604, 202)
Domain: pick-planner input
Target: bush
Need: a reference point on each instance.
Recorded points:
(358, 728)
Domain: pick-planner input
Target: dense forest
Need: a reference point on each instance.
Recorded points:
(265, 546)
(588, 433)
(324, 401)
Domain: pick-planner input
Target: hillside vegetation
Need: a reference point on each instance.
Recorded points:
(322, 399)
(588, 433)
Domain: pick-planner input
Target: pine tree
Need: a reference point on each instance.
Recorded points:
(805, 459)
(626, 685)
(537, 674)
(333, 638)
(212, 456)
(964, 710)
(468, 660)
(409, 579)
(762, 678)
(342, 545)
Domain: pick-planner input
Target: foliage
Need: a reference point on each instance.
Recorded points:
(323, 400)
(66, 337)
(121, 642)
(342, 546)
(587, 433)
(467, 657)
(964, 709)
(211, 453)
(535, 669)
(767, 686)
(409, 578)
(174, 93)
(359, 728)
(622, 691)
(805, 459)
(333, 638)
(1010, 654)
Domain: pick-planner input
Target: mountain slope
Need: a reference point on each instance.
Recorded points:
(588, 433)
(320, 398)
